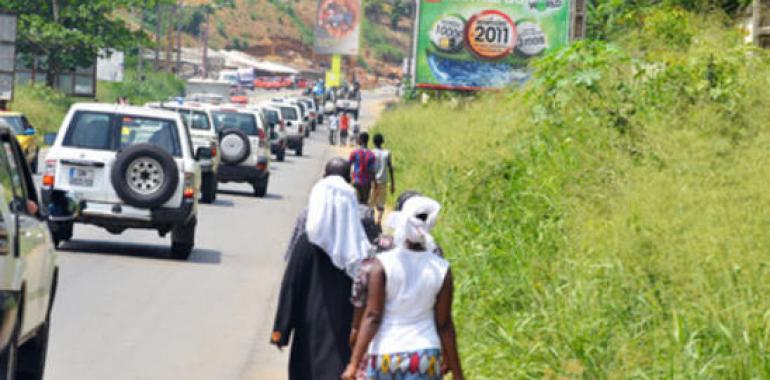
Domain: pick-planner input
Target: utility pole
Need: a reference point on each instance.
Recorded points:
(179, 40)
(205, 43)
(140, 63)
(170, 29)
(158, 38)
(578, 20)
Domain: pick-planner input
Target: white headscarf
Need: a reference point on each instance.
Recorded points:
(334, 225)
(408, 227)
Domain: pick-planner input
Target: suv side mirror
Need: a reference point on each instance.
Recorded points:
(204, 153)
(49, 138)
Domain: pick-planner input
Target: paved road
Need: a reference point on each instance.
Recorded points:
(125, 311)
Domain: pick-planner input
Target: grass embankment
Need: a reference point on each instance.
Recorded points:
(46, 107)
(610, 220)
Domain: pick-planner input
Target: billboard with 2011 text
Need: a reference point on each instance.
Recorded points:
(480, 44)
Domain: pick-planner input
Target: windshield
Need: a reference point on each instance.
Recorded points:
(289, 113)
(243, 121)
(14, 122)
(272, 117)
(103, 131)
(195, 119)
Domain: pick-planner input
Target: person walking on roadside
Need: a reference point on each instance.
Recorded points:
(344, 128)
(356, 127)
(313, 303)
(407, 328)
(362, 162)
(383, 174)
(334, 124)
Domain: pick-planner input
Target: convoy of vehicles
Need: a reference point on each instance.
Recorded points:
(122, 167)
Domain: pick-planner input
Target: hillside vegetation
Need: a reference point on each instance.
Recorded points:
(609, 220)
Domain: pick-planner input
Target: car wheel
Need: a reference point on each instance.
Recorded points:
(260, 188)
(61, 231)
(145, 176)
(183, 240)
(32, 355)
(209, 188)
(234, 145)
(298, 151)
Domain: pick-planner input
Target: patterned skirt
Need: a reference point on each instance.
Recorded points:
(418, 365)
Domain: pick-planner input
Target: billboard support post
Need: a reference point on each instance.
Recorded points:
(8, 30)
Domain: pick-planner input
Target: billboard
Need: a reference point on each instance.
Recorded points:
(473, 45)
(7, 55)
(338, 26)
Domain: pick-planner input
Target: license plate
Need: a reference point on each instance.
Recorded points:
(81, 177)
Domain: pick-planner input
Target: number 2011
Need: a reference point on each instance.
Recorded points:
(494, 34)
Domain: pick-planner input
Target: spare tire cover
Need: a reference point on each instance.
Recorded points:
(144, 176)
(235, 146)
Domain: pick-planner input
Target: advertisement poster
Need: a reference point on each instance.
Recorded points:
(481, 44)
(338, 26)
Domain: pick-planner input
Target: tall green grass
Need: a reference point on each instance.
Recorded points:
(609, 220)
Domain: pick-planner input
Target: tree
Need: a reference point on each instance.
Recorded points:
(69, 34)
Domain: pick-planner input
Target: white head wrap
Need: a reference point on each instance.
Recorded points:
(408, 227)
(333, 223)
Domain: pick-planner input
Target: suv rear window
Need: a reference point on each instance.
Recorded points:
(104, 131)
(272, 117)
(289, 113)
(243, 121)
(195, 119)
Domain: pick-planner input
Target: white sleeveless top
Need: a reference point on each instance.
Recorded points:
(413, 281)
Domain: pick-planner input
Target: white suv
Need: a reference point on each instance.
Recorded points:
(129, 167)
(28, 266)
(197, 117)
(275, 129)
(295, 126)
(245, 151)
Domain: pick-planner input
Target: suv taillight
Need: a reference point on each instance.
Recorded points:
(301, 130)
(189, 185)
(283, 127)
(49, 173)
(213, 149)
(261, 134)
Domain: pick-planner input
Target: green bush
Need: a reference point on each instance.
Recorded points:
(155, 86)
(607, 220)
(45, 108)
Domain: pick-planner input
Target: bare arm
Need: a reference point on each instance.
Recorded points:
(358, 315)
(372, 317)
(446, 327)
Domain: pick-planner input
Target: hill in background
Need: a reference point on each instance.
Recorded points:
(282, 31)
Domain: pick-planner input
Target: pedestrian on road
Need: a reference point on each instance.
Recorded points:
(313, 302)
(362, 161)
(359, 293)
(408, 318)
(344, 128)
(334, 124)
(383, 173)
(356, 127)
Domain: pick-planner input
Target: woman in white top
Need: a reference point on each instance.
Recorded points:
(408, 324)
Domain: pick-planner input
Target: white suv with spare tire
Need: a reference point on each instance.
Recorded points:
(128, 167)
(244, 147)
(197, 117)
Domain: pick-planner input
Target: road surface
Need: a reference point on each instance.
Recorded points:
(125, 311)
